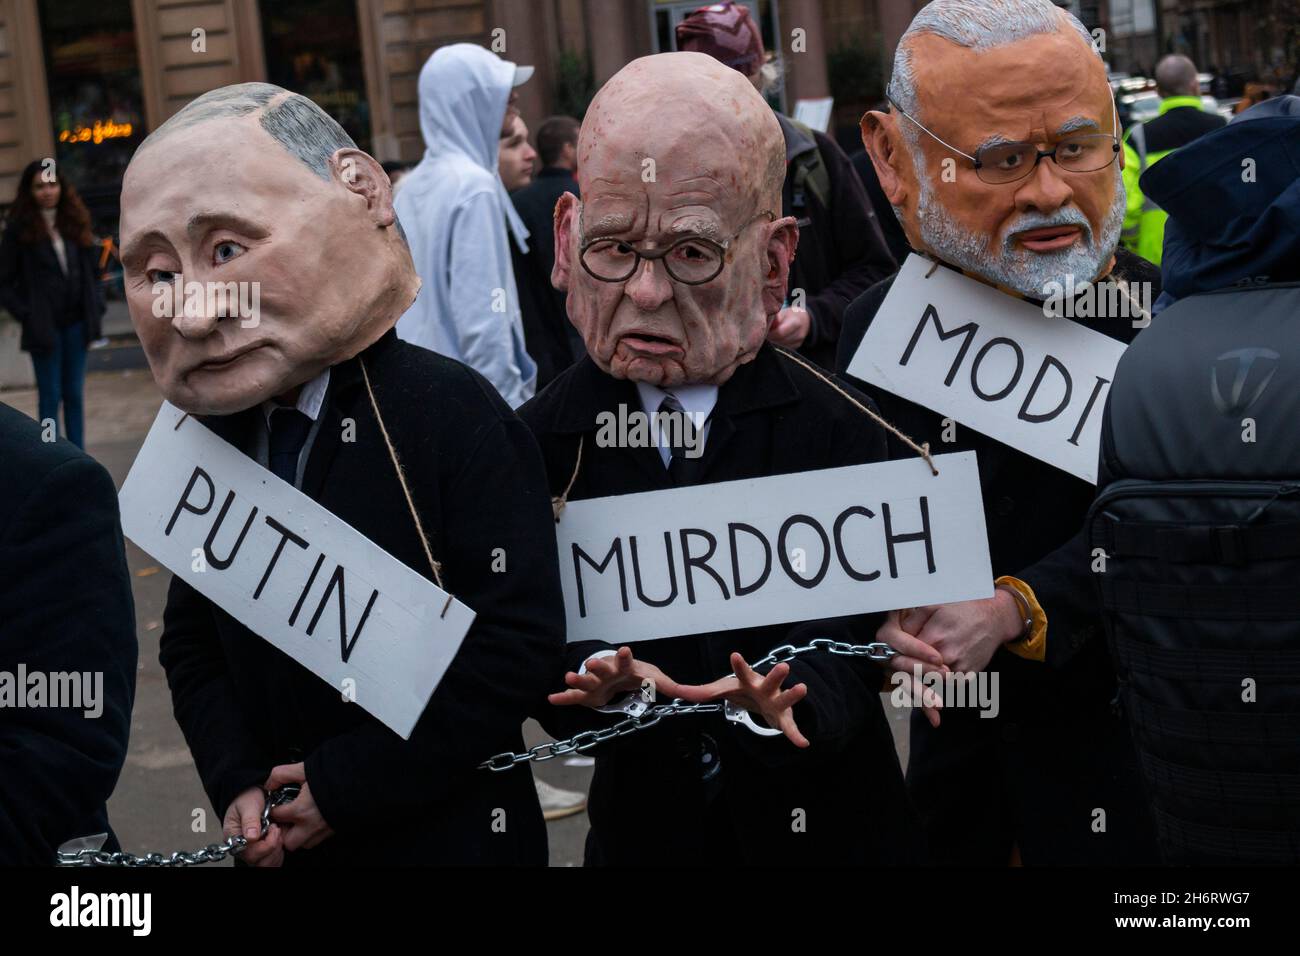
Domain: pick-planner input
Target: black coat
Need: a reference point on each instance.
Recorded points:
(29, 270)
(890, 227)
(552, 341)
(648, 803)
(841, 252)
(1058, 749)
(65, 606)
(477, 481)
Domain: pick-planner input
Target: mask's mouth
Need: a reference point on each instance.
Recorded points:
(650, 343)
(1050, 238)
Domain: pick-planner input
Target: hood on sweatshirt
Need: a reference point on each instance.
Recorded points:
(1233, 199)
(463, 92)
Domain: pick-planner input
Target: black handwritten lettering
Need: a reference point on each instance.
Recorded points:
(615, 552)
(968, 330)
(186, 505)
(222, 563)
(892, 539)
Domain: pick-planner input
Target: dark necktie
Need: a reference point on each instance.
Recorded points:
(682, 469)
(289, 430)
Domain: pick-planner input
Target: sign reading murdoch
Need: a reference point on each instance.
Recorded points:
(736, 554)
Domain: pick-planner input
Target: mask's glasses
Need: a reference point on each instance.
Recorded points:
(690, 260)
(1000, 163)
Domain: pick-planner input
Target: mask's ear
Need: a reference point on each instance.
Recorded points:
(883, 142)
(361, 174)
(782, 239)
(565, 221)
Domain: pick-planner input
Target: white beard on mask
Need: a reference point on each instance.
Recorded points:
(1029, 273)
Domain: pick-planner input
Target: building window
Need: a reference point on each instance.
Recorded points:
(96, 107)
(312, 48)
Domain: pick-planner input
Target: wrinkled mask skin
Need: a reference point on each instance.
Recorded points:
(677, 144)
(333, 274)
(1027, 91)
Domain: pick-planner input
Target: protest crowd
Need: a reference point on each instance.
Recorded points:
(701, 443)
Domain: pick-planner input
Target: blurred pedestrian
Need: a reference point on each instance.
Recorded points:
(841, 251)
(49, 282)
(1182, 119)
(553, 342)
(459, 220)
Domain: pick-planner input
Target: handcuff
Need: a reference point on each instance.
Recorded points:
(634, 704)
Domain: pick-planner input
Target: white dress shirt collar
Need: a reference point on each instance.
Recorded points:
(696, 400)
(311, 398)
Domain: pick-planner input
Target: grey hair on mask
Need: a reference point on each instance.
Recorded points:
(975, 25)
(295, 122)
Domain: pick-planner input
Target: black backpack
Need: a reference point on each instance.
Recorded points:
(1196, 549)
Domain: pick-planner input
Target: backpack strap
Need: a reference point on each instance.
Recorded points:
(1230, 544)
(810, 173)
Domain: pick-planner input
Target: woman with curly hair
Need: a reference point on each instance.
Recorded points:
(49, 282)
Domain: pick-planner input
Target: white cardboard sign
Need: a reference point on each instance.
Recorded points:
(290, 571)
(774, 550)
(992, 362)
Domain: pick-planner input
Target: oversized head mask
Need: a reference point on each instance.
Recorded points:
(676, 257)
(259, 247)
(971, 79)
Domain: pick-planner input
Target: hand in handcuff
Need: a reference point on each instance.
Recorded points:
(607, 677)
(757, 693)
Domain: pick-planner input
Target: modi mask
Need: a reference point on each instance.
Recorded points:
(676, 257)
(1000, 154)
(259, 247)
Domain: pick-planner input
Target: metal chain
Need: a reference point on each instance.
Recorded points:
(578, 743)
(212, 853)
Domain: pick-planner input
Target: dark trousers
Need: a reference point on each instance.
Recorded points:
(60, 378)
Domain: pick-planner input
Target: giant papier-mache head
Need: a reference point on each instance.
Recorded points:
(678, 154)
(253, 194)
(972, 78)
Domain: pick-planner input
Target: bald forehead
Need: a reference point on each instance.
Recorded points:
(681, 108)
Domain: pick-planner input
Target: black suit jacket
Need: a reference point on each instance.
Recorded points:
(65, 606)
(1057, 749)
(648, 802)
(477, 482)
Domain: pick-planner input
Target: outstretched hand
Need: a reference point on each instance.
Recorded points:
(608, 677)
(758, 693)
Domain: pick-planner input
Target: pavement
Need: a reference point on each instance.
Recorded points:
(159, 804)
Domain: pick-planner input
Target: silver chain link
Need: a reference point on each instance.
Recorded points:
(584, 741)
(212, 853)
(579, 743)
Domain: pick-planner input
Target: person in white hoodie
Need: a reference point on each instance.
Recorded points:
(456, 216)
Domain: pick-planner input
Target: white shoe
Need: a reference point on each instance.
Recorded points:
(557, 803)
